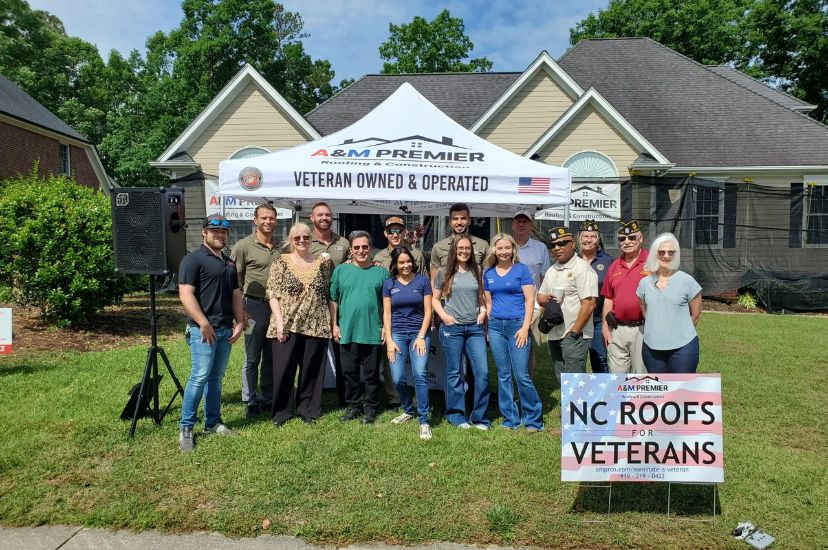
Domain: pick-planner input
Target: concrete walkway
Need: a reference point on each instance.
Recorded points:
(81, 538)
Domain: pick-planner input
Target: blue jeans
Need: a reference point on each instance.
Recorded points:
(683, 360)
(598, 351)
(513, 361)
(419, 371)
(472, 338)
(209, 364)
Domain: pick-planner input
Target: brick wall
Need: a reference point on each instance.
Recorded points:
(20, 148)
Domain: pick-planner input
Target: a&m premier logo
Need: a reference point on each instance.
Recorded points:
(250, 178)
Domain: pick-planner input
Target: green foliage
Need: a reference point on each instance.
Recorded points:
(747, 300)
(57, 248)
(502, 520)
(783, 42)
(438, 46)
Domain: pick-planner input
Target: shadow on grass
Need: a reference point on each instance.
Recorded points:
(27, 368)
(685, 499)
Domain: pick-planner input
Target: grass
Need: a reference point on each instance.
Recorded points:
(65, 458)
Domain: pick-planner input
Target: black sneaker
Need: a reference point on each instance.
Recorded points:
(369, 417)
(350, 414)
(252, 412)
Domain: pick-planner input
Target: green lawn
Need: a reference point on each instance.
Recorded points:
(65, 458)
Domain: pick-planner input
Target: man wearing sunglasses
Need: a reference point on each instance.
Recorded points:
(623, 326)
(395, 233)
(253, 255)
(208, 287)
(572, 283)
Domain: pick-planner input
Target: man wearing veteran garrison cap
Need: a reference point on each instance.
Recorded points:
(591, 249)
(623, 326)
(572, 283)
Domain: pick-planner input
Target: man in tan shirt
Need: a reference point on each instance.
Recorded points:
(253, 255)
(395, 233)
(459, 219)
(323, 240)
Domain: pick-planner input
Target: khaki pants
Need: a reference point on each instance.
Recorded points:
(536, 335)
(624, 351)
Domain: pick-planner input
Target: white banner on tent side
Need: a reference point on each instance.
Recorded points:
(235, 209)
(404, 156)
(589, 201)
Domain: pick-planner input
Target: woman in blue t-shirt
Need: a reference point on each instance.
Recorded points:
(671, 303)
(510, 303)
(406, 300)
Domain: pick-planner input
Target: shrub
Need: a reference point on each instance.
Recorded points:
(56, 252)
(747, 300)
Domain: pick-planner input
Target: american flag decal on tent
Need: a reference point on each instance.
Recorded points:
(665, 427)
(536, 186)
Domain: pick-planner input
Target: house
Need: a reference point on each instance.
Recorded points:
(30, 133)
(735, 168)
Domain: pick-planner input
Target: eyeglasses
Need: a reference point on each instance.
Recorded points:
(668, 253)
(394, 231)
(632, 238)
(561, 244)
(361, 247)
(222, 224)
(301, 238)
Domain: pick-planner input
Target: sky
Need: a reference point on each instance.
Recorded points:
(511, 33)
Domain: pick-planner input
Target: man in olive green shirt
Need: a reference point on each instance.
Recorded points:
(459, 218)
(253, 255)
(323, 240)
(395, 233)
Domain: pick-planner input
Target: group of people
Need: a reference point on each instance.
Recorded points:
(322, 291)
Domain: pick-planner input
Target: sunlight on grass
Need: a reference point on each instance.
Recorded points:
(65, 458)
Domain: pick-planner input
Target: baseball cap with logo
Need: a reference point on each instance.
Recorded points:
(394, 220)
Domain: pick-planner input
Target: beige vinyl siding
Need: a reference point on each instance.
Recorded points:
(249, 120)
(589, 131)
(528, 114)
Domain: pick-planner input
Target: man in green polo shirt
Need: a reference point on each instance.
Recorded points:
(395, 233)
(459, 219)
(253, 255)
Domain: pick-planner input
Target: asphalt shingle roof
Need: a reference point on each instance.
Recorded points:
(18, 104)
(694, 116)
(462, 96)
(759, 87)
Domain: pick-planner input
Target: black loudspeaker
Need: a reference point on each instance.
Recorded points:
(148, 229)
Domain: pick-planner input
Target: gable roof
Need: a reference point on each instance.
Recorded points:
(694, 116)
(592, 97)
(759, 87)
(20, 105)
(462, 96)
(222, 100)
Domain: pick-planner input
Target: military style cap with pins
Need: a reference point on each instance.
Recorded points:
(559, 232)
(628, 227)
(590, 225)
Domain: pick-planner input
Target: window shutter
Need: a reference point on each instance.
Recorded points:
(797, 203)
(729, 240)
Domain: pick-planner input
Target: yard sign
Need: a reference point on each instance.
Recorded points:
(665, 427)
(5, 331)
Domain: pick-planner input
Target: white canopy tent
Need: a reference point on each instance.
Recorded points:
(405, 156)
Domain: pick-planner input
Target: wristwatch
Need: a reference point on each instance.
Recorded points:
(576, 334)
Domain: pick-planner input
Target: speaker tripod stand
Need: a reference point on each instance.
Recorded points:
(148, 392)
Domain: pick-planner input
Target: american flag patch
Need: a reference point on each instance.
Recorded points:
(665, 427)
(533, 185)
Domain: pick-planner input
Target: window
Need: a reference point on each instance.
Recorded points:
(65, 164)
(591, 164)
(249, 152)
(816, 213)
(709, 215)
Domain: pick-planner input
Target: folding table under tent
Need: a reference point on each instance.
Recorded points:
(404, 157)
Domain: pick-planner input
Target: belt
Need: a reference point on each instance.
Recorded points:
(255, 298)
(629, 323)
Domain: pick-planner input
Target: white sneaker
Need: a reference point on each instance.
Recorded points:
(220, 429)
(425, 432)
(404, 417)
(464, 426)
(482, 427)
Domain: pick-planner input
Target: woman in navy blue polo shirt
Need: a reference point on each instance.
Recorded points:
(406, 299)
(510, 302)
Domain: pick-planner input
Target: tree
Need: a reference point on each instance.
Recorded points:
(783, 42)
(423, 47)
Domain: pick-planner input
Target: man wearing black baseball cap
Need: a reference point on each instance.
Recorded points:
(208, 287)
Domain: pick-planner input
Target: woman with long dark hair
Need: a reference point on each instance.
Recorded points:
(458, 301)
(406, 299)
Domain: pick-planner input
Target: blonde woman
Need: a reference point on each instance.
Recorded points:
(509, 291)
(298, 290)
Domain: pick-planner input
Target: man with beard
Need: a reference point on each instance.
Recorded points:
(572, 283)
(323, 240)
(459, 219)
